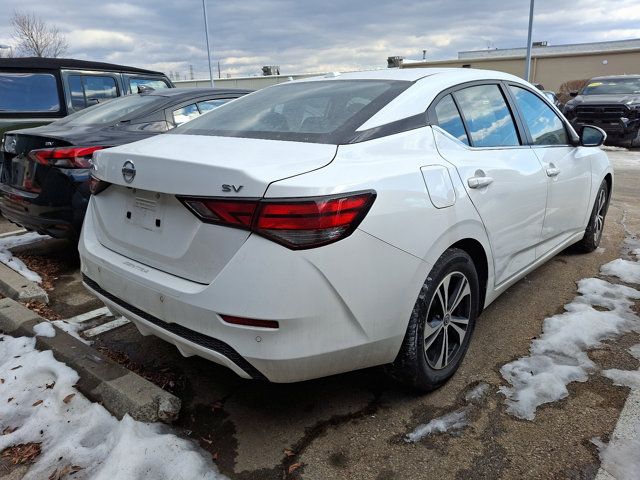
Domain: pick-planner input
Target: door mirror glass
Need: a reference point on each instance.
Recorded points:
(592, 136)
(573, 93)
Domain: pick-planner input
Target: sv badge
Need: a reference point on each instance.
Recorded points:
(231, 188)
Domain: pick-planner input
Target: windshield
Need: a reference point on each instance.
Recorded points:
(606, 86)
(28, 92)
(112, 111)
(317, 111)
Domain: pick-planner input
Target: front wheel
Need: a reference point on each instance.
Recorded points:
(441, 323)
(593, 232)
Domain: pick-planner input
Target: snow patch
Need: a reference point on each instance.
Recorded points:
(72, 329)
(620, 459)
(626, 270)
(14, 263)
(558, 357)
(451, 421)
(624, 378)
(478, 393)
(44, 329)
(45, 407)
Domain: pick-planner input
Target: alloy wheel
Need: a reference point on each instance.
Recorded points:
(447, 320)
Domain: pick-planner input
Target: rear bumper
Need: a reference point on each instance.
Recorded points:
(341, 307)
(58, 222)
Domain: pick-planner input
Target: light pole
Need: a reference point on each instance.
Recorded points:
(7, 47)
(527, 68)
(206, 33)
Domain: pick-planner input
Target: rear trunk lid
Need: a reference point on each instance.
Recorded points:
(18, 170)
(143, 219)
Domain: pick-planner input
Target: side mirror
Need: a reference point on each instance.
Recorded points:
(592, 136)
(573, 93)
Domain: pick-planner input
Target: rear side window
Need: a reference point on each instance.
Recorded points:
(185, 114)
(154, 83)
(488, 118)
(208, 105)
(544, 125)
(87, 90)
(28, 92)
(449, 119)
(311, 111)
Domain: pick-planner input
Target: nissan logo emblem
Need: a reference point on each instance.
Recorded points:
(128, 171)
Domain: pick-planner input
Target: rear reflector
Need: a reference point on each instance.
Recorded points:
(65, 157)
(250, 322)
(296, 223)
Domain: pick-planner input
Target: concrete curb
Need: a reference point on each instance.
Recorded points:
(101, 380)
(17, 287)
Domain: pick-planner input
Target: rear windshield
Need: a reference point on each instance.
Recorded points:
(28, 92)
(113, 111)
(317, 112)
(612, 86)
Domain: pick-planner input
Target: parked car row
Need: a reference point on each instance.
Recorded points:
(322, 225)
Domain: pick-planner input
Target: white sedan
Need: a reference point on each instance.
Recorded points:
(341, 222)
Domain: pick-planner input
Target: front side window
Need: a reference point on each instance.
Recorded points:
(488, 118)
(154, 83)
(544, 125)
(311, 111)
(449, 119)
(28, 92)
(185, 114)
(87, 90)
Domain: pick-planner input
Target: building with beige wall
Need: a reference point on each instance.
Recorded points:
(551, 65)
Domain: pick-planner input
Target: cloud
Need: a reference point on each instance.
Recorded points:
(322, 36)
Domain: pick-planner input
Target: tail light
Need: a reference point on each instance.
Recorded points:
(296, 223)
(65, 157)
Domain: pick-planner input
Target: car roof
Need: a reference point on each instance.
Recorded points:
(611, 77)
(456, 75)
(194, 91)
(36, 63)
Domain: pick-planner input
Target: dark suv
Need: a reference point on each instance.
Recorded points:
(35, 91)
(611, 103)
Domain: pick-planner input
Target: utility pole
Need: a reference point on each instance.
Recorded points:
(527, 68)
(206, 33)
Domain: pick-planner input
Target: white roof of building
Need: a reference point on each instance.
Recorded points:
(592, 47)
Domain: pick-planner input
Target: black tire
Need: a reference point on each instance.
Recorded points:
(416, 365)
(593, 232)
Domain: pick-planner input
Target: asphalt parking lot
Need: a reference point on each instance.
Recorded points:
(353, 425)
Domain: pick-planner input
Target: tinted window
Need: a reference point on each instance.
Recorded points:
(113, 111)
(606, 86)
(545, 126)
(487, 115)
(154, 83)
(316, 111)
(87, 90)
(28, 92)
(208, 105)
(449, 119)
(99, 88)
(185, 114)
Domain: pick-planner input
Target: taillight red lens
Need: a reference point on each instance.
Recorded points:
(65, 157)
(294, 223)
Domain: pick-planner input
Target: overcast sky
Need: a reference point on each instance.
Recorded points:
(315, 36)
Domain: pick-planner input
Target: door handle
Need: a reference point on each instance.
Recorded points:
(479, 182)
(553, 172)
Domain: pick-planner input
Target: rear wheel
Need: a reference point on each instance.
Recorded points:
(593, 232)
(441, 323)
